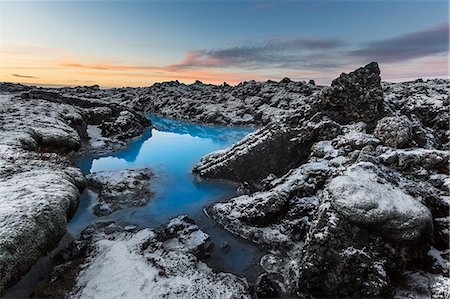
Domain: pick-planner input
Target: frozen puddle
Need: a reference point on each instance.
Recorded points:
(170, 150)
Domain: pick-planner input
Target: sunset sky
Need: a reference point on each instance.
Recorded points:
(137, 43)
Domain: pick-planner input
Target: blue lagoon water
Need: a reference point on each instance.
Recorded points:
(171, 149)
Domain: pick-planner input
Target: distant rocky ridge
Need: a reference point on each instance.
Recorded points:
(345, 186)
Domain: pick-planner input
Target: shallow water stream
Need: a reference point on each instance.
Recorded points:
(170, 150)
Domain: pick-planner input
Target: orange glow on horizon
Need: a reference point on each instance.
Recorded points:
(46, 66)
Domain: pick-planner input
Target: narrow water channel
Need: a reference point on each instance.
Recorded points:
(170, 150)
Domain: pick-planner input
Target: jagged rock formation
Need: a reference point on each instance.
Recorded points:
(117, 123)
(363, 205)
(355, 96)
(269, 150)
(249, 103)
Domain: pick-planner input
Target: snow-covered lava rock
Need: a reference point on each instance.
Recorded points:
(361, 202)
(39, 189)
(129, 187)
(158, 263)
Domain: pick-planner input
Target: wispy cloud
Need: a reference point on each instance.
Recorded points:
(418, 44)
(307, 53)
(23, 76)
(113, 67)
(300, 58)
(276, 53)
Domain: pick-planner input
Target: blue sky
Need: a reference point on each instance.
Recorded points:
(116, 43)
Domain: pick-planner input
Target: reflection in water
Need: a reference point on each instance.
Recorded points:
(171, 150)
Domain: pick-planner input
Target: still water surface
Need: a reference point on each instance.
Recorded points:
(170, 149)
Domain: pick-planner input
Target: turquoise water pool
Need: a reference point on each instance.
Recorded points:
(171, 149)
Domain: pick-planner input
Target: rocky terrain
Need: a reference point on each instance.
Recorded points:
(160, 263)
(249, 103)
(120, 188)
(345, 188)
(39, 189)
(364, 212)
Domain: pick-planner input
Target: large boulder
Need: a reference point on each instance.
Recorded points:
(268, 150)
(366, 199)
(395, 131)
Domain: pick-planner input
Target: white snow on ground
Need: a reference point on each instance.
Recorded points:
(95, 136)
(142, 266)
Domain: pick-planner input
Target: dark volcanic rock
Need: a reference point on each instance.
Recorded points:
(355, 96)
(346, 187)
(359, 210)
(338, 261)
(13, 87)
(268, 150)
(394, 131)
(125, 126)
(115, 121)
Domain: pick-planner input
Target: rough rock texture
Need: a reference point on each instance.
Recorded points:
(110, 123)
(39, 190)
(382, 145)
(368, 200)
(248, 103)
(243, 161)
(425, 102)
(394, 131)
(355, 96)
(120, 188)
(161, 263)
